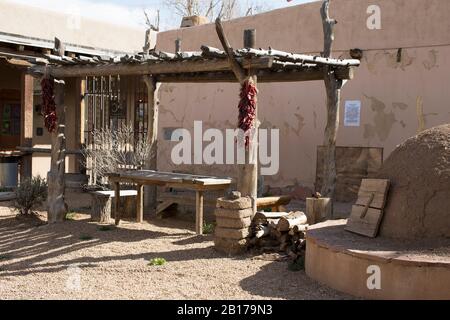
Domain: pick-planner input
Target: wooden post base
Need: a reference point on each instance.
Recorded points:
(318, 210)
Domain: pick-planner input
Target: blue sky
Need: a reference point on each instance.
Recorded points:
(130, 12)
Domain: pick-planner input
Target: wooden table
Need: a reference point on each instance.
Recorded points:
(200, 184)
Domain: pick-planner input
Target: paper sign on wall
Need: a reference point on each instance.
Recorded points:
(352, 116)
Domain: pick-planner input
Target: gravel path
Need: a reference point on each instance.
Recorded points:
(77, 260)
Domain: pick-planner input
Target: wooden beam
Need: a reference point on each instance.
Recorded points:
(45, 150)
(333, 90)
(264, 76)
(169, 67)
(152, 138)
(232, 61)
(294, 57)
(57, 208)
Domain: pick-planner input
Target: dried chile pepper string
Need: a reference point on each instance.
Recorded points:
(49, 105)
(247, 107)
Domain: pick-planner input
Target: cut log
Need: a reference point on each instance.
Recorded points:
(269, 215)
(300, 228)
(275, 234)
(317, 210)
(289, 222)
(273, 223)
(262, 231)
(101, 209)
(273, 202)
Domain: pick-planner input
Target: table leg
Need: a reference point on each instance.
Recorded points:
(140, 204)
(117, 201)
(199, 213)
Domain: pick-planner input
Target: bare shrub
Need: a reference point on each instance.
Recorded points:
(112, 151)
(30, 194)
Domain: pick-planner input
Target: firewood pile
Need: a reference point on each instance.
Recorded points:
(279, 232)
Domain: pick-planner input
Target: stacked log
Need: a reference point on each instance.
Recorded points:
(233, 221)
(279, 232)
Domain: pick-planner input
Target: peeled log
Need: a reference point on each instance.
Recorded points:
(301, 228)
(262, 232)
(57, 207)
(289, 222)
(263, 217)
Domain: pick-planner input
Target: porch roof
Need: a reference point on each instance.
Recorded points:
(208, 65)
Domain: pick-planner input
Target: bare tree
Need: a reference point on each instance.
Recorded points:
(224, 9)
(150, 25)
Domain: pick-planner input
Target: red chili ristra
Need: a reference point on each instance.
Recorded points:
(247, 108)
(48, 104)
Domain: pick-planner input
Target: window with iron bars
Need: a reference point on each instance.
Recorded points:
(114, 101)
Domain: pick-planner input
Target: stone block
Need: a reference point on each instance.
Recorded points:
(233, 234)
(234, 223)
(230, 247)
(237, 204)
(233, 214)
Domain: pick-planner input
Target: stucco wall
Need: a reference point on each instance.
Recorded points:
(44, 24)
(398, 98)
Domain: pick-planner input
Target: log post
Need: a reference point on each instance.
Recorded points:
(26, 124)
(333, 91)
(140, 204)
(80, 90)
(248, 173)
(150, 192)
(57, 207)
(199, 212)
(117, 208)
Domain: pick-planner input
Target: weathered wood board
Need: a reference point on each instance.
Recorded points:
(352, 165)
(367, 213)
(378, 187)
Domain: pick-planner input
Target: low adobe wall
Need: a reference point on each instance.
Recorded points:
(335, 258)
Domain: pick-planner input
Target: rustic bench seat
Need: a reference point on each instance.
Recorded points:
(102, 207)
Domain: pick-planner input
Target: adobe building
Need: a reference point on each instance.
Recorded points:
(401, 88)
(27, 34)
(401, 85)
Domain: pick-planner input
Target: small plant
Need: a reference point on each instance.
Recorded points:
(4, 257)
(71, 216)
(297, 265)
(86, 237)
(157, 262)
(208, 228)
(30, 194)
(105, 228)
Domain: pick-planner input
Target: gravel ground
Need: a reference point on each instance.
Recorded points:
(77, 260)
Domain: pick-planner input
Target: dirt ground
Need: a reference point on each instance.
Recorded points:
(79, 260)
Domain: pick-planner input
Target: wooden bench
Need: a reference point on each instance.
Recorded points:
(102, 207)
(276, 204)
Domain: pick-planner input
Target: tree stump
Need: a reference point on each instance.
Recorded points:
(101, 208)
(318, 210)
